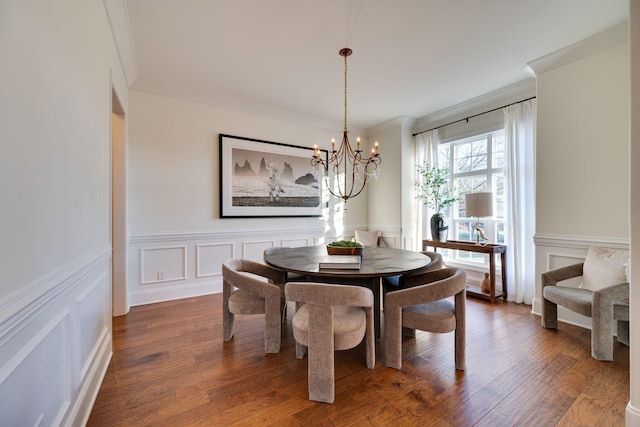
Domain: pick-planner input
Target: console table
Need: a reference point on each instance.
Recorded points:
(491, 249)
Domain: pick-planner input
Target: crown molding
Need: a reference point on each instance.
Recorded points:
(397, 122)
(505, 95)
(589, 46)
(121, 30)
(220, 101)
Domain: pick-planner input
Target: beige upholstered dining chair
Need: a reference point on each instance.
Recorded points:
(603, 296)
(243, 293)
(422, 301)
(390, 282)
(330, 317)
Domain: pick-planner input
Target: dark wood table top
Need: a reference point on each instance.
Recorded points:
(376, 262)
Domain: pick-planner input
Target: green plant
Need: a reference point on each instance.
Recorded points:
(434, 189)
(346, 244)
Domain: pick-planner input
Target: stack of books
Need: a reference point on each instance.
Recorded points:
(340, 262)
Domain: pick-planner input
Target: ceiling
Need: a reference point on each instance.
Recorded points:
(410, 57)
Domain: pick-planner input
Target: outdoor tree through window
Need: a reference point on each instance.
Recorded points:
(476, 164)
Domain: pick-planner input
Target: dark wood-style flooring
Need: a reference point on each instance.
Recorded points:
(170, 367)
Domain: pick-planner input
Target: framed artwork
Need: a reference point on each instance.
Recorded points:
(267, 179)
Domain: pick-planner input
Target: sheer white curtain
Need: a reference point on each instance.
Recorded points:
(519, 175)
(426, 152)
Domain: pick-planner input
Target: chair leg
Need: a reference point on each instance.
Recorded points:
(602, 335)
(273, 325)
(623, 332)
(408, 332)
(321, 358)
(461, 331)
(228, 319)
(370, 339)
(549, 317)
(301, 350)
(393, 337)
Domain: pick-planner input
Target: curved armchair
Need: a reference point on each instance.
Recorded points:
(253, 296)
(393, 282)
(328, 318)
(604, 306)
(422, 302)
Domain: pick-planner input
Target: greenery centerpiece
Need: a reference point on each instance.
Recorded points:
(436, 192)
(344, 247)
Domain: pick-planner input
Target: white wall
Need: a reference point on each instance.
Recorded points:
(174, 197)
(58, 66)
(582, 147)
(582, 152)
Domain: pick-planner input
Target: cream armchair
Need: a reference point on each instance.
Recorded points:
(328, 318)
(422, 301)
(243, 293)
(604, 306)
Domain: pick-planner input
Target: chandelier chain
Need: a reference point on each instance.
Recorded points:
(345, 93)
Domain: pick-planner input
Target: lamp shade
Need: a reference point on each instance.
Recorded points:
(478, 204)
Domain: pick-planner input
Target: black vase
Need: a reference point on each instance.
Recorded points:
(439, 228)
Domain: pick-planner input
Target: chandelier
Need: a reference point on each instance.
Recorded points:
(350, 170)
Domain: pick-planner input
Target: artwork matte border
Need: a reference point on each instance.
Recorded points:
(267, 179)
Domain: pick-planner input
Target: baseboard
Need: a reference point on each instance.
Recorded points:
(632, 416)
(176, 292)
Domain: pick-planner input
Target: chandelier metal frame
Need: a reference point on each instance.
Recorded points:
(347, 165)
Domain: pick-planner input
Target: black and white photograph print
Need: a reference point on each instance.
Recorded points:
(261, 179)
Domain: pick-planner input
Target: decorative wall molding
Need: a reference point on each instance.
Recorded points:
(29, 300)
(145, 280)
(235, 233)
(121, 29)
(507, 94)
(589, 46)
(200, 248)
(579, 242)
(64, 335)
(395, 123)
(90, 331)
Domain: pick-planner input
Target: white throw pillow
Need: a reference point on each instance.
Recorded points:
(367, 238)
(604, 267)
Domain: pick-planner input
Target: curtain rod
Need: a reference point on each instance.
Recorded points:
(475, 115)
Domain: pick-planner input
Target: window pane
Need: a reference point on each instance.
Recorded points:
(479, 149)
(462, 157)
(444, 153)
(463, 230)
(470, 155)
(498, 150)
(498, 195)
(500, 233)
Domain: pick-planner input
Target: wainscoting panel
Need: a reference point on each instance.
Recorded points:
(192, 261)
(554, 251)
(40, 370)
(163, 264)
(254, 250)
(210, 256)
(55, 348)
(295, 243)
(93, 313)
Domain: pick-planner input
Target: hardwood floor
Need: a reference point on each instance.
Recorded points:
(170, 367)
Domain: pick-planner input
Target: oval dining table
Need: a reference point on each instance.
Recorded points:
(376, 262)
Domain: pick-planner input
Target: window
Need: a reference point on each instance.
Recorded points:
(475, 164)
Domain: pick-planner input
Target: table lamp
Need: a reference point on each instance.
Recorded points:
(478, 205)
